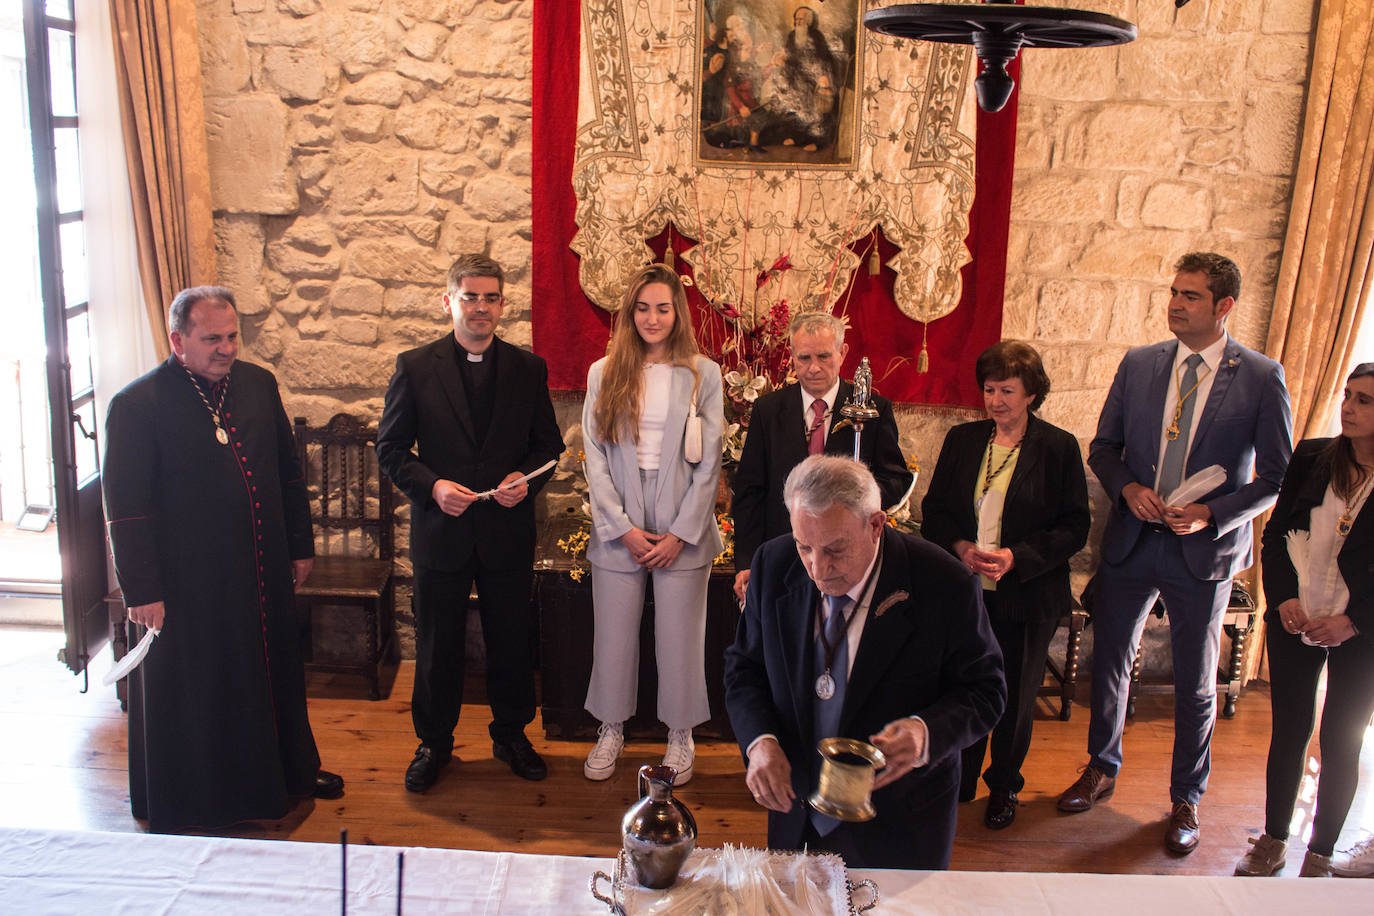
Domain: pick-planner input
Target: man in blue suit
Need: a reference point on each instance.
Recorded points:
(1174, 409)
(854, 629)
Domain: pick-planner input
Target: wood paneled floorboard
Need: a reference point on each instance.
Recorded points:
(62, 766)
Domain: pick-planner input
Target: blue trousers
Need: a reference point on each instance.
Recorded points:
(1125, 594)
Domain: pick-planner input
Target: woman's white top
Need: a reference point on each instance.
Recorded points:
(1322, 590)
(653, 413)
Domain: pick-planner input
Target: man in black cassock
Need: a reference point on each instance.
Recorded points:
(210, 527)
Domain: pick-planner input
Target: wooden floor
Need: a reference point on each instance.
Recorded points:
(62, 766)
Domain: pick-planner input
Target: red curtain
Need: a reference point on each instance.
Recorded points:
(570, 332)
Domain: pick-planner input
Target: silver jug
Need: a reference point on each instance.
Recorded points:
(658, 832)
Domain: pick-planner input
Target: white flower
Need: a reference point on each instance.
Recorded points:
(744, 387)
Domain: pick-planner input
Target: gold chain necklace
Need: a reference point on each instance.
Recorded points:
(1346, 522)
(991, 475)
(1172, 432)
(221, 436)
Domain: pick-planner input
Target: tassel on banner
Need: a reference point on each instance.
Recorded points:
(923, 359)
(875, 262)
(668, 257)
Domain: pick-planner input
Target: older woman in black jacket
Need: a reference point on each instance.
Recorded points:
(1319, 584)
(1009, 498)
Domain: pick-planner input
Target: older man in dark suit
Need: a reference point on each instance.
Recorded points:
(804, 419)
(1174, 409)
(855, 629)
(468, 415)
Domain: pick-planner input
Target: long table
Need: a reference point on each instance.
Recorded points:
(52, 872)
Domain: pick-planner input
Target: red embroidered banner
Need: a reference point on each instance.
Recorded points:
(570, 332)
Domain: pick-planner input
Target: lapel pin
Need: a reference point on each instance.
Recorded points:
(895, 598)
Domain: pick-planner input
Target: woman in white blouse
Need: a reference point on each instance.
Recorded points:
(1319, 583)
(653, 403)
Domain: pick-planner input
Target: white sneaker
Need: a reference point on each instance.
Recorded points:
(610, 741)
(1355, 862)
(681, 754)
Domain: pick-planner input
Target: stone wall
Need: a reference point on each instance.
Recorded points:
(356, 145)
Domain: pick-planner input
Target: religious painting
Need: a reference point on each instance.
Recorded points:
(776, 82)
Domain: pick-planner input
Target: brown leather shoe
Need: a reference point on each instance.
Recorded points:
(1092, 787)
(1184, 831)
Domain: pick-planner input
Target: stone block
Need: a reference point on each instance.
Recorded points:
(430, 73)
(249, 6)
(1130, 314)
(376, 181)
(425, 40)
(517, 90)
(1279, 58)
(404, 333)
(324, 365)
(311, 166)
(425, 231)
(1213, 149)
(364, 123)
(250, 166)
(1174, 205)
(1129, 195)
(519, 333)
(1051, 248)
(313, 328)
(296, 73)
(1018, 307)
(354, 295)
(1289, 16)
(432, 10)
(1123, 136)
(238, 247)
(281, 31)
(299, 8)
(1062, 197)
(1236, 17)
(463, 233)
(1252, 205)
(497, 198)
(1034, 135)
(312, 130)
(415, 301)
(314, 290)
(394, 261)
(359, 329)
(293, 306)
(302, 260)
(429, 124)
(357, 41)
(1273, 121)
(1174, 70)
(1074, 309)
(387, 89)
(1087, 74)
(224, 65)
(1129, 253)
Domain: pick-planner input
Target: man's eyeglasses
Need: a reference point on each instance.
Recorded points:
(474, 298)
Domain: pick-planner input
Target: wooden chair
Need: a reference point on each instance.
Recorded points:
(1238, 620)
(352, 508)
(1064, 680)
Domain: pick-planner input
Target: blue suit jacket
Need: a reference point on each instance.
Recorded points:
(1245, 427)
(927, 650)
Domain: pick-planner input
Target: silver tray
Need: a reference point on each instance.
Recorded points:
(625, 898)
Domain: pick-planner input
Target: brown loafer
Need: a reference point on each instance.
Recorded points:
(1092, 786)
(1183, 832)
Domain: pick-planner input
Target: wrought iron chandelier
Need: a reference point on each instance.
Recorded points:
(998, 30)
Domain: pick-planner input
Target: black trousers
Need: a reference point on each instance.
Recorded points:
(1294, 670)
(1025, 646)
(441, 613)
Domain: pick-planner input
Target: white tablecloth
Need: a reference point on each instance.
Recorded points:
(100, 873)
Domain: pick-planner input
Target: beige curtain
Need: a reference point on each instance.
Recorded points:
(157, 64)
(1326, 272)
(1325, 275)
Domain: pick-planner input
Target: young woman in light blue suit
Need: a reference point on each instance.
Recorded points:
(653, 511)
